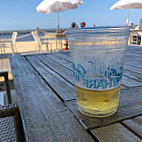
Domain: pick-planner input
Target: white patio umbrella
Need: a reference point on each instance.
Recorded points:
(127, 4)
(48, 6)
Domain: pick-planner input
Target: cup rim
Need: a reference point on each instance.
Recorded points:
(98, 30)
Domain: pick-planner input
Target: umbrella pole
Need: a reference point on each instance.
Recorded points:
(58, 22)
(127, 20)
(128, 16)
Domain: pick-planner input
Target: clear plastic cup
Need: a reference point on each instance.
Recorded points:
(98, 58)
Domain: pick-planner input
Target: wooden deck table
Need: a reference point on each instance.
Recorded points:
(58, 39)
(46, 96)
(7, 40)
(138, 32)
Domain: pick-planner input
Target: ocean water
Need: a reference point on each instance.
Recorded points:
(26, 38)
(25, 33)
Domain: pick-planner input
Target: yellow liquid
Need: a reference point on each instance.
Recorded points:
(97, 103)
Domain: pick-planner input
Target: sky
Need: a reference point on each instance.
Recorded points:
(21, 15)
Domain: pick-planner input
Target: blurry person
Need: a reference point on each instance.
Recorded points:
(138, 34)
(83, 24)
(76, 26)
(37, 31)
(140, 25)
(131, 25)
(73, 25)
(94, 25)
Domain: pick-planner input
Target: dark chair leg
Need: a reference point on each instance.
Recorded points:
(5, 74)
(19, 128)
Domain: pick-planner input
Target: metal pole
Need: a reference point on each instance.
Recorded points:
(128, 16)
(127, 20)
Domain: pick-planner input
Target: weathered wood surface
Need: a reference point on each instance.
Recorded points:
(64, 68)
(127, 81)
(129, 106)
(63, 88)
(51, 63)
(115, 133)
(133, 62)
(60, 60)
(46, 94)
(136, 50)
(133, 75)
(132, 69)
(44, 115)
(135, 125)
(4, 62)
(59, 69)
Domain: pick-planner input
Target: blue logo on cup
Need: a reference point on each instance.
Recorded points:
(113, 77)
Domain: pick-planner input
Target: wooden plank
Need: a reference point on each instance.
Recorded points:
(59, 69)
(129, 106)
(66, 57)
(123, 87)
(135, 125)
(134, 47)
(133, 69)
(115, 133)
(133, 75)
(4, 63)
(128, 82)
(136, 63)
(133, 58)
(66, 53)
(45, 117)
(132, 80)
(134, 51)
(60, 60)
(133, 55)
(64, 89)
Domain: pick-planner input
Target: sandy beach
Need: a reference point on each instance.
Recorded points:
(27, 47)
(23, 47)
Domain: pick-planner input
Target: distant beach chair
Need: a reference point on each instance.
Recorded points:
(4, 42)
(14, 36)
(59, 39)
(40, 42)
